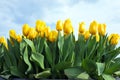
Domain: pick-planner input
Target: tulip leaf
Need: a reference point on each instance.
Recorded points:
(89, 66)
(31, 44)
(100, 68)
(108, 77)
(43, 74)
(60, 66)
(113, 67)
(38, 58)
(73, 72)
(14, 71)
(68, 47)
(26, 59)
(48, 53)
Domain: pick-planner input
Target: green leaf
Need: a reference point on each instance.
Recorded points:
(43, 74)
(30, 43)
(68, 47)
(89, 66)
(41, 45)
(38, 59)
(100, 68)
(60, 45)
(48, 53)
(83, 76)
(73, 72)
(108, 77)
(14, 71)
(79, 50)
(60, 66)
(26, 59)
(113, 67)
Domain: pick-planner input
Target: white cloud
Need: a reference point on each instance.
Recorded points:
(14, 13)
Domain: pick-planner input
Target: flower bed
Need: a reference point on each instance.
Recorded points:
(55, 54)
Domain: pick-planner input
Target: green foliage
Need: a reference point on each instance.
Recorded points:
(64, 58)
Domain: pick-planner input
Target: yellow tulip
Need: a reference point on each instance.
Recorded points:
(19, 38)
(3, 41)
(68, 27)
(93, 29)
(12, 34)
(86, 35)
(40, 25)
(32, 33)
(47, 31)
(97, 37)
(59, 25)
(102, 29)
(82, 27)
(53, 36)
(114, 39)
(25, 29)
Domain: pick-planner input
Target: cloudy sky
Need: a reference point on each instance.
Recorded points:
(15, 13)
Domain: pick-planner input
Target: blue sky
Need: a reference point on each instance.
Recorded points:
(15, 13)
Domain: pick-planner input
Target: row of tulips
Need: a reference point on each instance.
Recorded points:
(43, 53)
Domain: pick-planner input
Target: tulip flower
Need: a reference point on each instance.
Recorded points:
(3, 41)
(40, 25)
(93, 29)
(19, 38)
(86, 35)
(12, 34)
(114, 39)
(53, 36)
(25, 29)
(102, 29)
(82, 27)
(32, 33)
(59, 25)
(68, 27)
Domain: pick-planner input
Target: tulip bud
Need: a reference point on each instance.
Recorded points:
(53, 36)
(68, 27)
(19, 38)
(82, 27)
(59, 25)
(12, 34)
(3, 41)
(25, 29)
(32, 33)
(40, 25)
(102, 29)
(86, 35)
(114, 39)
(93, 29)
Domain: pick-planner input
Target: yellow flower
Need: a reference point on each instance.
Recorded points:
(32, 33)
(102, 29)
(45, 32)
(12, 34)
(86, 35)
(114, 39)
(40, 25)
(68, 27)
(3, 41)
(25, 29)
(82, 27)
(19, 38)
(97, 37)
(53, 36)
(59, 25)
(93, 29)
